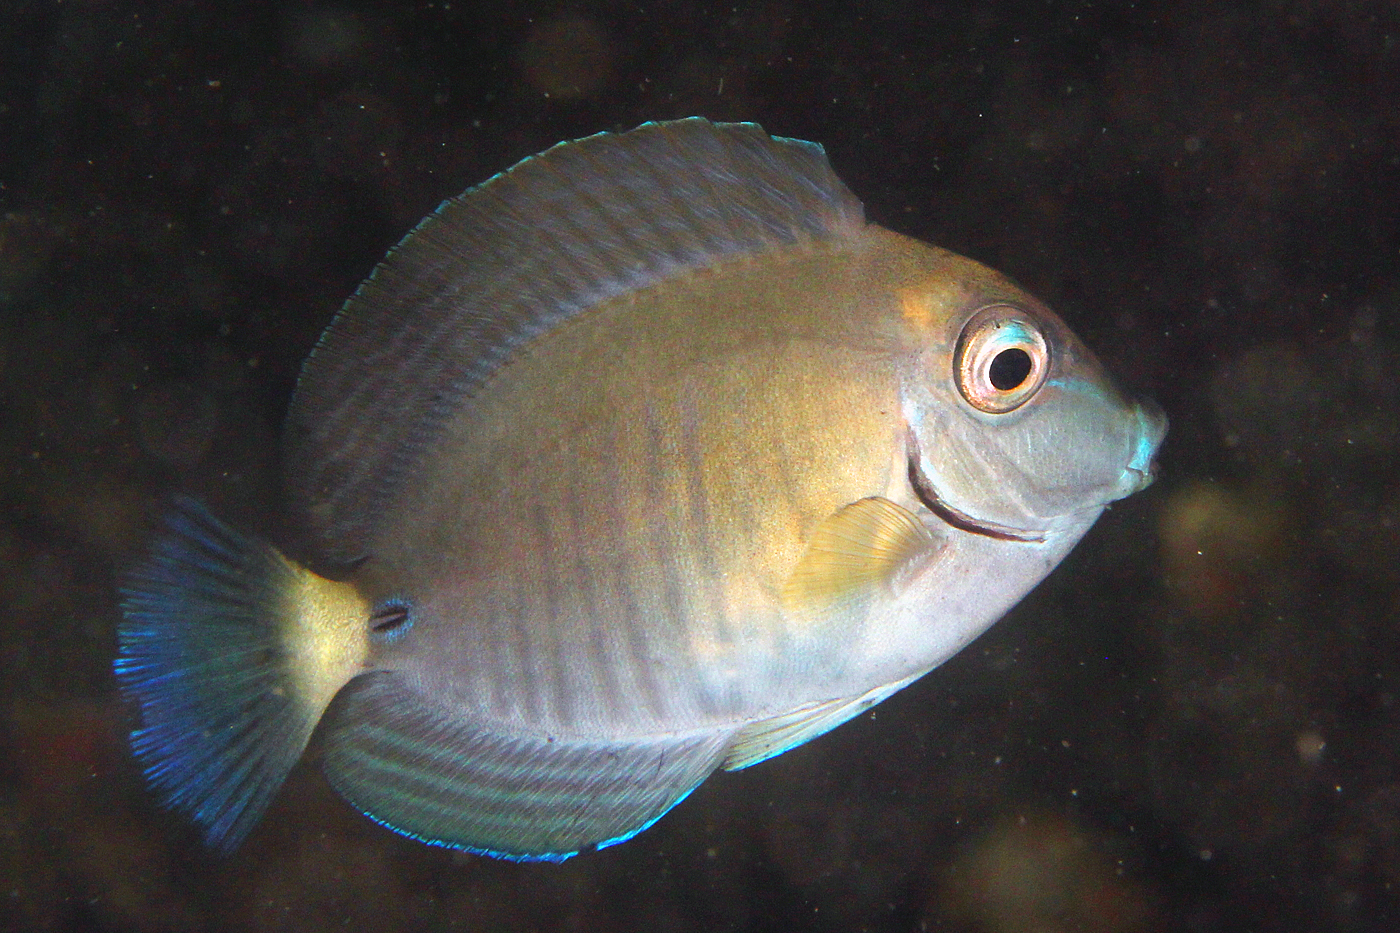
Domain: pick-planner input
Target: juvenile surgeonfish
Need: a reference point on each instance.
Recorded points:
(648, 456)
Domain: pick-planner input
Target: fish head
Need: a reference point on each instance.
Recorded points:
(1015, 430)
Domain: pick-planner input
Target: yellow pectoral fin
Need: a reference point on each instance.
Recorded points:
(855, 553)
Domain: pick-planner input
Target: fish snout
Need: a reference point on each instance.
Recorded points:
(1141, 469)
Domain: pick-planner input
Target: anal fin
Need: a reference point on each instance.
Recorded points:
(421, 771)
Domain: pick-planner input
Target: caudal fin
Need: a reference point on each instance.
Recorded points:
(232, 652)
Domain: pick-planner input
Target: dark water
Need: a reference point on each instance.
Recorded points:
(1192, 725)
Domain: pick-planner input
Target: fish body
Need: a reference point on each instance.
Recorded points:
(623, 535)
(646, 458)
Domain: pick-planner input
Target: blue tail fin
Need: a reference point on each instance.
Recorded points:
(220, 647)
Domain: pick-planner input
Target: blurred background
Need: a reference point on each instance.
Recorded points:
(1191, 725)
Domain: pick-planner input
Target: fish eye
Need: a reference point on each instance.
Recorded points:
(1001, 359)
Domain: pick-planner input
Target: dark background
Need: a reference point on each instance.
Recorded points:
(1192, 725)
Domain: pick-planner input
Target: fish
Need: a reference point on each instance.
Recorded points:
(648, 457)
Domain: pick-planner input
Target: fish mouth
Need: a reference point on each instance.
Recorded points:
(961, 520)
(1152, 430)
(1135, 480)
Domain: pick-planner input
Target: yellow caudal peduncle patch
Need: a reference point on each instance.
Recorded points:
(854, 552)
(325, 637)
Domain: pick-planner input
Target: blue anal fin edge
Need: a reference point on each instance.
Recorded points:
(428, 774)
(525, 857)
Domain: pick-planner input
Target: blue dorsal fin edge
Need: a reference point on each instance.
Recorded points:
(538, 243)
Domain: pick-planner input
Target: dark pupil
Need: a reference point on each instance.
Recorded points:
(1009, 369)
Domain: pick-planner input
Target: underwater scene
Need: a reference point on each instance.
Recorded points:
(610, 466)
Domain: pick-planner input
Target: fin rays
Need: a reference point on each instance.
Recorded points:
(203, 652)
(486, 272)
(411, 767)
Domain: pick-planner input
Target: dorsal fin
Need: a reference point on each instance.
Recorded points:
(541, 242)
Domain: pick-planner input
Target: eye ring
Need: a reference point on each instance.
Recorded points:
(1001, 359)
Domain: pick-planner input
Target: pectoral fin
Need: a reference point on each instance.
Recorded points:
(854, 553)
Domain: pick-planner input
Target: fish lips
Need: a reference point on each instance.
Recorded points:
(1152, 430)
